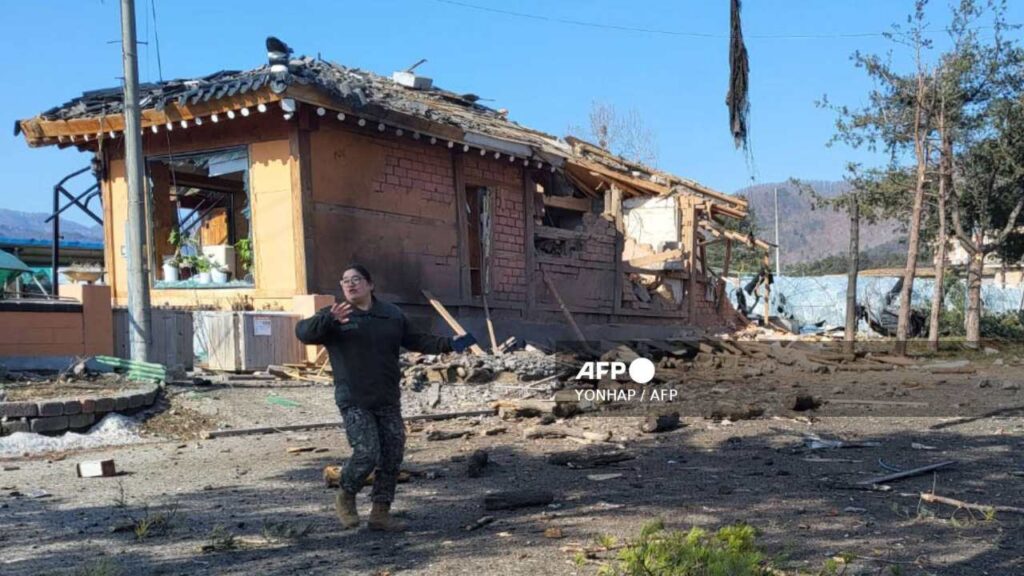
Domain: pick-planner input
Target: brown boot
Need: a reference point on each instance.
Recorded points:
(382, 520)
(345, 505)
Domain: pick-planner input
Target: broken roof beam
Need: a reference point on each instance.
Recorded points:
(718, 231)
(644, 261)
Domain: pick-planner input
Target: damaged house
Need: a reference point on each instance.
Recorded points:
(269, 181)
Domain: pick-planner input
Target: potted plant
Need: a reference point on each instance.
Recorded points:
(174, 261)
(243, 248)
(202, 266)
(219, 274)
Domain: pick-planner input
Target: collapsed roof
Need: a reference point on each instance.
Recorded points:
(415, 107)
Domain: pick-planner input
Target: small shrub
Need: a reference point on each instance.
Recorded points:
(731, 551)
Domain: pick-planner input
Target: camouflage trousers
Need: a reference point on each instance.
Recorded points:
(377, 438)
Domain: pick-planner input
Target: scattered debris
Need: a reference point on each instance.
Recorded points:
(96, 469)
(907, 473)
(553, 532)
(439, 435)
(660, 423)
(479, 523)
(517, 499)
(983, 508)
(588, 460)
(476, 464)
(603, 477)
(804, 402)
(565, 432)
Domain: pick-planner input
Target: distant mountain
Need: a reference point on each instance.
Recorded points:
(33, 226)
(808, 234)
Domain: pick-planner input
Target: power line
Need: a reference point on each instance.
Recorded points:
(156, 37)
(663, 32)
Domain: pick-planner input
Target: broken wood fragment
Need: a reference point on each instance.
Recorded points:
(517, 499)
(983, 508)
(479, 523)
(452, 322)
(588, 460)
(565, 432)
(440, 435)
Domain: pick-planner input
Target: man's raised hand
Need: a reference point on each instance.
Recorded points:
(341, 311)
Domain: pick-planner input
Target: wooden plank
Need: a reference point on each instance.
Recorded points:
(983, 508)
(656, 258)
(615, 200)
(528, 243)
(568, 203)
(688, 237)
(565, 310)
(452, 322)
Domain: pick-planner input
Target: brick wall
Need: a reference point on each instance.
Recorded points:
(388, 202)
(508, 252)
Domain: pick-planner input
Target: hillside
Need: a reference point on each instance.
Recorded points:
(808, 234)
(32, 226)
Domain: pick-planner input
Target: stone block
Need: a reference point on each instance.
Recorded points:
(18, 409)
(105, 405)
(79, 421)
(72, 407)
(136, 400)
(50, 424)
(88, 405)
(51, 408)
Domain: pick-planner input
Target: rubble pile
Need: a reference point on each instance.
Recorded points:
(419, 370)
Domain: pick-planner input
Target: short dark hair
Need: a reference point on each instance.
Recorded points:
(359, 268)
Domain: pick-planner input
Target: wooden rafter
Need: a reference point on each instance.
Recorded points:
(42, 132)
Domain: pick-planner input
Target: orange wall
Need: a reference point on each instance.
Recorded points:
(84, 333)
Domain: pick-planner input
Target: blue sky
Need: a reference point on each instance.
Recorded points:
(545, 70)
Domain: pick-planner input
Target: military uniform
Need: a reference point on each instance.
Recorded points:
(364, 360)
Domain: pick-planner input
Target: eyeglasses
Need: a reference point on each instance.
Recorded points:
(353, 281)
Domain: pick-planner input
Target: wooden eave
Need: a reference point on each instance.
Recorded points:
(41, 132)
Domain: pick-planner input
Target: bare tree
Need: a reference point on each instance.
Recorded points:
(625, 134)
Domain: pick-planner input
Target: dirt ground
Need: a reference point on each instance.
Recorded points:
(258, 509)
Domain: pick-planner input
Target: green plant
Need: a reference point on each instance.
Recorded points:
(220, 540)
(144, 522)
(244, 250)
(731, 551)
(202, 263)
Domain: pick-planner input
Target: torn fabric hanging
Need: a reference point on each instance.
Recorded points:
(739, 69)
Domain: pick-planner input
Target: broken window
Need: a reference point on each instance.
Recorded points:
(478, 228)
(200, 220)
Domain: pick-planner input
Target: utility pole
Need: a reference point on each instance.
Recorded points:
(778, 248)
(138, 273)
